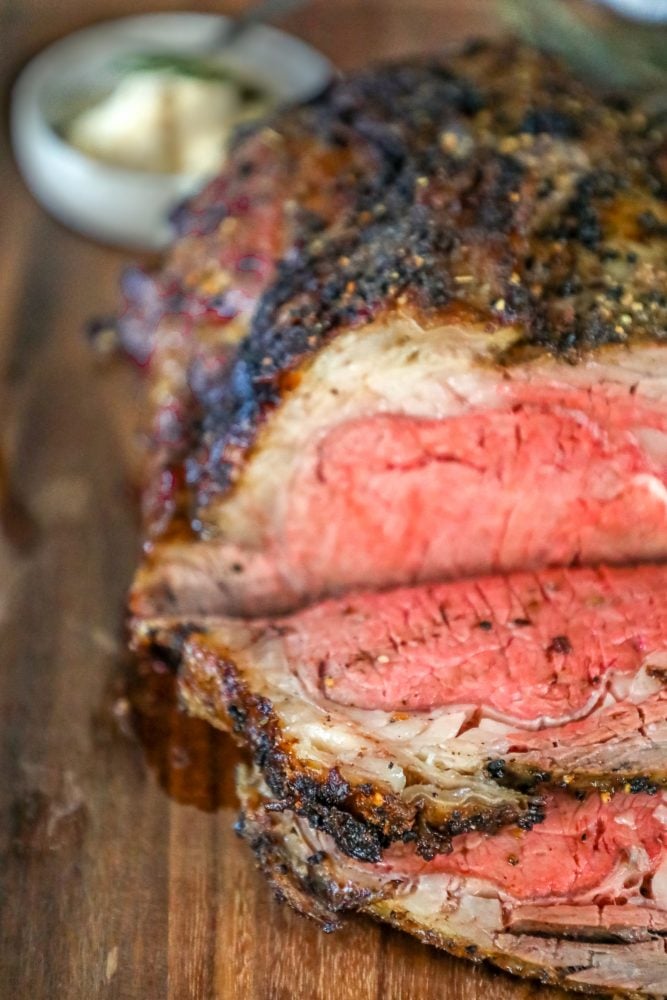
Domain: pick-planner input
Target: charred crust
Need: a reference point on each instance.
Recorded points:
(169, 653)
(534, 815)
(527, 777)
(550, 121)
(496, 769)
(449, 174)
(312, 891)
(559, 644)
(287, 886)
(643, 784)
(311, 887)
(317, 858)
(650, 225)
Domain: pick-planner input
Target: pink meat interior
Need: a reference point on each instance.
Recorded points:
(534, 648)
(549, 476)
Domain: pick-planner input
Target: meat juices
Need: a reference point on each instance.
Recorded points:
(413, 341)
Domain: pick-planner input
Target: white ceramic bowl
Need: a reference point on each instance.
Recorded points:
(642, 10)
(131, 207)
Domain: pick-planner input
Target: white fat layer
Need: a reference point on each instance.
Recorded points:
(652, 484)
(654, 443)
(640, 686)
(657, 732)
(659, 886)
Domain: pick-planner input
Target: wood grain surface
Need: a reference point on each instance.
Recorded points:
(120, 873)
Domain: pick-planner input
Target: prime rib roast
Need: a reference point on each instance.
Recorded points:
(405, 505)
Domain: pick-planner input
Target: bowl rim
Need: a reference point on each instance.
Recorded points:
(33, 79)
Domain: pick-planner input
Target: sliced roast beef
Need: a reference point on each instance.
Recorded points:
(518, 471)
(386, 715)
(367, 778)
(415, 332)
(579, 900)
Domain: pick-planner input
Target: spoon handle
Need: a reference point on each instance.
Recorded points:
(265, 10)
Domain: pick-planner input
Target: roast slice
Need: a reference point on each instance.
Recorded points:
(416, 331)
(579, 901)
(367, 778)
(401, 458)
(393, 715)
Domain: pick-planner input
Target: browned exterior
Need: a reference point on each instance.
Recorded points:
(490, 182)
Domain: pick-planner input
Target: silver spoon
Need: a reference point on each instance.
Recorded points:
(265, 10)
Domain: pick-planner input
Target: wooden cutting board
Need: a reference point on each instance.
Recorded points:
(120, 873)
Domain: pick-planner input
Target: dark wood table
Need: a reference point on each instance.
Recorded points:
(120, 873)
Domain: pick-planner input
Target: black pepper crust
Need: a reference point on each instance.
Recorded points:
(362, 819)
(626, 777)
(514, 196)
(316, 890)
(313, 892)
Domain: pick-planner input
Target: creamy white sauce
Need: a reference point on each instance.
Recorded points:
(164, 122)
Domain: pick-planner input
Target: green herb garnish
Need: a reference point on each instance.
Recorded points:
(189, 66)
